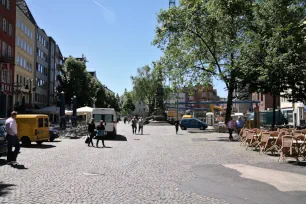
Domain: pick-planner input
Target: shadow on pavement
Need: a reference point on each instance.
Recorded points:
(117, 138)
(19, 166)
(3, 162)
(55, 141)
(36, 146)
(301, 163)
(4, 188)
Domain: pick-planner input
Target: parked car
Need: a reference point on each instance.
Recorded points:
(53, 134)
(3, 143)
(2, 121)
(192, 123)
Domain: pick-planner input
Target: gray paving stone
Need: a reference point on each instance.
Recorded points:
(146, 170)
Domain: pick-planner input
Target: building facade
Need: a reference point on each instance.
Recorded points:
(51, 72)
(41, 68)
(266, 101)
(7, 55)
(24, 55)
(58, 66)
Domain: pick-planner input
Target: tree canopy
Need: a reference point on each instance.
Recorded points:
(256, 45)
(75, 80)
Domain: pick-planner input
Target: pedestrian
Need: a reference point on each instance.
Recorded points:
(12, 139)
(140, 125)
(134, 125)
(231, 125)
(176, 124)
(239, 125)
(100, 133)
(91, 131)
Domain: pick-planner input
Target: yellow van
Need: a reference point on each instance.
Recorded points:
(32, 128)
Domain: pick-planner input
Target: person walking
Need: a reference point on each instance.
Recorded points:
(134, 125)
(100, 133)
(91, 131)
(140, 125)
(231, 125)
(239, 125)
(176, 124)
(12, 139)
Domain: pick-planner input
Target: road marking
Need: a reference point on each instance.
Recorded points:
(282, 180)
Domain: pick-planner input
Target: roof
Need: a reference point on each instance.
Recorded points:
(25, 9)
(31, 115)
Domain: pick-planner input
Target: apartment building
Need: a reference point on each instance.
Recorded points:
(7, 54)
(42, 67)
(24, 55)
(51, 72)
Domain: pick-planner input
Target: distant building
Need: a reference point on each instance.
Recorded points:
(141, 109)
(266, 101)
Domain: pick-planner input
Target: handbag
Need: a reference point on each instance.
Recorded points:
(87, 140)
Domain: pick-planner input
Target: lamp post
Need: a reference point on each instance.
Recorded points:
(30, 90)
(74, 111)
(62, 110)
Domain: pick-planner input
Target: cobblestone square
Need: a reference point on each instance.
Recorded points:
(157, 167)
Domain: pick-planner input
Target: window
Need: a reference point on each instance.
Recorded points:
(19, 23)
(22, 26)
(9, 52)
(40, 122)
(9, 77)
(3, 49)
(24, 81)
(4, 76)
(18, 61)
(8, 4)
(18, 41)
(4, 24)
(46, 122)
(10, 30)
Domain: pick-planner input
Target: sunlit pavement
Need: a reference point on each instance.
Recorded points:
(157, 167)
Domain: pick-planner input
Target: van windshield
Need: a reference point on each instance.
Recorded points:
(107, 118)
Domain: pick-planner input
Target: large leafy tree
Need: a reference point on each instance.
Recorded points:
(274, 52)
(127, 103)
(145, 85)
(203, 39)
(75, 80)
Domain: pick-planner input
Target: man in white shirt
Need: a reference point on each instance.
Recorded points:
(12, 139)
(140, 125)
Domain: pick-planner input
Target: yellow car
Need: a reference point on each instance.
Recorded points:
(32, 128)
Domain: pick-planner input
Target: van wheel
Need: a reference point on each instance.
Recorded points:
(183, 128)
(25, 141)
(39, 142)
(202, 128)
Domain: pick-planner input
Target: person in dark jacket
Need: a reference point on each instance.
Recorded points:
(91, 131)
(101, 132)
(176, 123)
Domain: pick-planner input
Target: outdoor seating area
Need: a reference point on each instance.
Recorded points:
(285, 142)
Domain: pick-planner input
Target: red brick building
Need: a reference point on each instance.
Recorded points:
(266, 101)
(7, 50)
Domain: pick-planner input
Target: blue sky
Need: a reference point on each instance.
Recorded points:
(115, 36)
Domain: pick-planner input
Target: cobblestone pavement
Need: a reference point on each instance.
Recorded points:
(145, 168)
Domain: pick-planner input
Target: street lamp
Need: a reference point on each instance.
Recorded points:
(74, 111)
(62, 110)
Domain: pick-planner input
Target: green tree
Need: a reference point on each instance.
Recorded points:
(145, 85)
(128, 103)
(76, 81)
(274, 52)
(202, 38)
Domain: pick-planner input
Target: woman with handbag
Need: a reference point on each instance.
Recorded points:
(91, 131)
(100, 133)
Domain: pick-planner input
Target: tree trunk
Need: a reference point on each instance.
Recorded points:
(229, 104)
(274, 107)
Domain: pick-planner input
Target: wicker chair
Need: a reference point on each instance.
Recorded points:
(286, 148)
